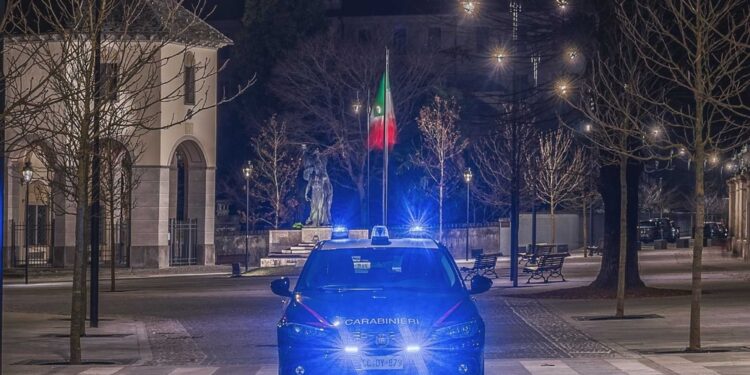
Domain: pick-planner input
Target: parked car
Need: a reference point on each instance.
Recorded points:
(658, 229)
(714, 230)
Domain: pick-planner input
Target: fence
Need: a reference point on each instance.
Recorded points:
(32, 247)
(121, 245)
(183, 240)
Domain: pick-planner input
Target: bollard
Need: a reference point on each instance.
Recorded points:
(660, 245)
(235, 269)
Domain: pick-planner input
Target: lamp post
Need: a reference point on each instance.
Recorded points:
(468, 176)
(247, 171)
(26, 174)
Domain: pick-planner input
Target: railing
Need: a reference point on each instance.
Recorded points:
(183, 241)
(32, 247)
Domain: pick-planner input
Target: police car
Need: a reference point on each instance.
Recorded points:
(380, 306)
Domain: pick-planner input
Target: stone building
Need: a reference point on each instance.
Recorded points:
(739, 202)
(168, 217)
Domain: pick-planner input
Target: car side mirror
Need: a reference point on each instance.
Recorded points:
(480, 284)
(280, 287)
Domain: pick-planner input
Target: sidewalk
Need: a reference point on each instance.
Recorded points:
(49, 275)
(38, 343)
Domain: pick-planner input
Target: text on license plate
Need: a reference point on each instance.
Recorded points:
(388, 362)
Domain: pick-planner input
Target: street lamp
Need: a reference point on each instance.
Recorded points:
(247, 171)
(468, 176)
(469, 6)
(26, 174)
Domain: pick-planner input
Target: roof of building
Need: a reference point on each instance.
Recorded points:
(400, 243)
(165, 18)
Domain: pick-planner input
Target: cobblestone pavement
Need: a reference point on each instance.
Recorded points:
(523, 328)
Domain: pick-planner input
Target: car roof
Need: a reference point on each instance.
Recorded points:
(395, 243)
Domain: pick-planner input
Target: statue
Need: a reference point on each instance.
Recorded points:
(319, 190)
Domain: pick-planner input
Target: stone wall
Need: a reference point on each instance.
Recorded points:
(230, 248)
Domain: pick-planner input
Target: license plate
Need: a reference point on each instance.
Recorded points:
(387, 362)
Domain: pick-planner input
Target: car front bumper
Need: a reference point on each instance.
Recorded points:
(301, 361)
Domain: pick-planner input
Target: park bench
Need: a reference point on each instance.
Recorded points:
(534, 252)
(483, 265)
(596, 249)
(546, 267)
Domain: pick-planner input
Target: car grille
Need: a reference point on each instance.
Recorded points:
(375, 339)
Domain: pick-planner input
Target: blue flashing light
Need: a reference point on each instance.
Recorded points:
(380, 235)
(351, 349)
(418, 231)
(340, 232)
(413, 348)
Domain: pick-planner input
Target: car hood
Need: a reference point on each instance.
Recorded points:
(363, 310)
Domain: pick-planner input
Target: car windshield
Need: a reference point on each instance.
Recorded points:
(413, 269)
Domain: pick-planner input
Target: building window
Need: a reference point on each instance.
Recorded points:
(189, 79)
(434, 38)
(399, 40)
(483, 38)
(364, 36)
(109, 76)
(36, 234)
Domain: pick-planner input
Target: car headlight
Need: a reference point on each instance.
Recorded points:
(457, 331)
(303, 331)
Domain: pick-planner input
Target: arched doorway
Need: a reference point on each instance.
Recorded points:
(116, 189)
(31, 221)
(187, 207)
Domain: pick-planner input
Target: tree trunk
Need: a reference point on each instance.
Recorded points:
(364, 209)
(700, 213)
(554, 224)
(585, 231)
(623, 238)
(111, 215)
(609, 188)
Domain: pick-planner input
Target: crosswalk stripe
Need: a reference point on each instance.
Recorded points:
(548, 368)
(194, 371)
(682, 366)
(632, 367)
(101, 371)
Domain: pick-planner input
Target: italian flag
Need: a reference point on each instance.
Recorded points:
(382, 109)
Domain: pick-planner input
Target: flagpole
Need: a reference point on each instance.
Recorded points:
(385, 140)
(369, 114)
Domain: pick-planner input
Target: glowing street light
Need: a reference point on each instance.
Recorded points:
(357, 106)
(587, 128)
(572, 54)
(713, 159)
(500, 57)
(563, 87)
(469, 6)
(562, 4)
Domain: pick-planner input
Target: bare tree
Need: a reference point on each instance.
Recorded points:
(110, 70)
(556, 171)
(492, 155)
(322, 79)
(624, 130)
(276, 168)
(654, 196)
(441, 149)
(699, 52)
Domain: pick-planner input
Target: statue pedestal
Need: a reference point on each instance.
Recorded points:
(322, 233)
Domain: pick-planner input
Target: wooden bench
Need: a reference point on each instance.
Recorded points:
(596, 249)
(546, 267)
(483, 265)
(530, 257)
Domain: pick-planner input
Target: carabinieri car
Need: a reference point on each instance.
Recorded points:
(383, 306)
